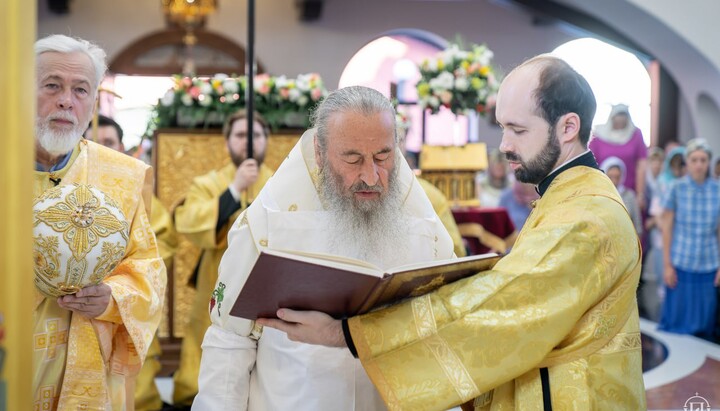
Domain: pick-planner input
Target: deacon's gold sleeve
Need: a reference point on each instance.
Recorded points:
(445, 348)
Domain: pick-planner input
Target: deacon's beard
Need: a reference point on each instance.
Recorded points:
(374, 231)
(57, 143)
(537, 168)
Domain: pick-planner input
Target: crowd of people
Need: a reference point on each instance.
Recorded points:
(554, 322)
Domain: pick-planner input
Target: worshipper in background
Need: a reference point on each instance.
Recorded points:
(656, 158)
(619, 137)
(517, 200)
(103, 331)
(716, 169)
(554, 324)
(673, 168)
(211, 206)
(490, 185)
(691, 231)
(345, 190)
(147, 397)
(614, 168)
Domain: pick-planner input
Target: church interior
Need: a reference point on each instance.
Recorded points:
(161, 52)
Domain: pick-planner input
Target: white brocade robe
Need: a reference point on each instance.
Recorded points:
(238, 372)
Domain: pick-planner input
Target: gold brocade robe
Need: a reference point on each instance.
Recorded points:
(564, 298)
(442, 209)
(147, 396)
(91, 364)
(197, 218)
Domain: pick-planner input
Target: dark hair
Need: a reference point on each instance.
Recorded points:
(104, 121)
(563, 90)
(242, 115)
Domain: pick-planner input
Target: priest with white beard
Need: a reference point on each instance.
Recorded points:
(345, 189)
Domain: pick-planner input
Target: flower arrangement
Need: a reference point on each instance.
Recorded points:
(462, 81)
(206, 102)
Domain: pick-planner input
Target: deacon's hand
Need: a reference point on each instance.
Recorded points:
(670, 276)
(90, 302)
(246, 174)
(310, 327)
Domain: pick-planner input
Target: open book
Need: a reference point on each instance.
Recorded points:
(342, 287)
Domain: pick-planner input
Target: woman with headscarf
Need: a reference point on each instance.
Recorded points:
(615, 169)
(691, 237)
(619, 137)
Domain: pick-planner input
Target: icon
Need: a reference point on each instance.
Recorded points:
(696, 403)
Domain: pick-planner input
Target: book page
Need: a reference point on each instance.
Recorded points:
(330, 260)
(438, 263)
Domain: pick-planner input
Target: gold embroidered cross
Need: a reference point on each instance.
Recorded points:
(50, 339)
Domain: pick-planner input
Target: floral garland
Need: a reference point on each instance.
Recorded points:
(462, 81)
(206, 102)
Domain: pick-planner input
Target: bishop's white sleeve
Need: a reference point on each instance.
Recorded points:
(228, 351)
(224, 381)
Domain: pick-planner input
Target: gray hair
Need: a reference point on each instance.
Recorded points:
(698, 144)
(64, 44)
(357, 99)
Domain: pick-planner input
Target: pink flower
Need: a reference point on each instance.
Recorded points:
(264, 88)
(194, 92)
(186, 82)
(316, 93)
(284, 93)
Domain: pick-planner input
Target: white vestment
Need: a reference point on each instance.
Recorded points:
(238, 372)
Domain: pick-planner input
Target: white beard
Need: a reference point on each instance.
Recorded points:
(376, 233)
(56, 143)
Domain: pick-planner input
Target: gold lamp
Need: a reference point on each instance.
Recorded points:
(188, 15)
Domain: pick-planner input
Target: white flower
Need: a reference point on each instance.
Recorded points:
(303, 82)
(281, 82)
(302, 100)
(220, 76)
(206, 88)
(434, 101)
(168, 98)
(231, 97)
(462, 83)
(294, 94)
(443, 81)
(432, 65)
(205, 100)
(230, 86)
(186, 99)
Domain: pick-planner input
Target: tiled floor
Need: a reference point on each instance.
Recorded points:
(682, 372)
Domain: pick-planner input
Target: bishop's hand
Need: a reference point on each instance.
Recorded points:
(310, 327)
(90, 302)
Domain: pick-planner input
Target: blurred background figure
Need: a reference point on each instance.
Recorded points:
(490, 185)
(517, 200)
(619, 137)
(716, 169)
(672, 169)
(615, 169)
(652, 267)
(691, 224)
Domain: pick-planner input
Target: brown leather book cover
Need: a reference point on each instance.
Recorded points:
(341, 287)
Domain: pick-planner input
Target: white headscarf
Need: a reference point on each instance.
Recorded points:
(607, 133)
(611, 162)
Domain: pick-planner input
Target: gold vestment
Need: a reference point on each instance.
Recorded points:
(91, 364)
(563, 298)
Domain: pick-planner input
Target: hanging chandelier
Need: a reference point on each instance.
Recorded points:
(189, 15)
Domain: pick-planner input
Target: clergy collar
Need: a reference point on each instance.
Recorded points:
(57, 166)
(586, 159)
